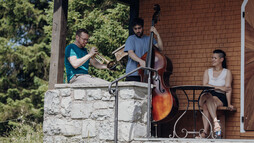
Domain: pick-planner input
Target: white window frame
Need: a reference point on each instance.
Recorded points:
(242, 63)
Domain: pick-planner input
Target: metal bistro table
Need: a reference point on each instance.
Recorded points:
(193, 88)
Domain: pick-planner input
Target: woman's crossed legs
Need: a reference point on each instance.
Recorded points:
(209, 104)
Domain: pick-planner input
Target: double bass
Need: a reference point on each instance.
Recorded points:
(164, 103)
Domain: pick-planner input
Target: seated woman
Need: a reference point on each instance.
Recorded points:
(220, 78)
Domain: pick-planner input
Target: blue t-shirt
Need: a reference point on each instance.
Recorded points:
(139, 46)
(74, 50)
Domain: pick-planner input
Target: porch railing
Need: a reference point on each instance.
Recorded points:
(114, 91)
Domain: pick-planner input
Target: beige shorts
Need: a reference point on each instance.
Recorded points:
(86, 78)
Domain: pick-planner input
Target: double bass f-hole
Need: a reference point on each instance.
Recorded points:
(160, 88)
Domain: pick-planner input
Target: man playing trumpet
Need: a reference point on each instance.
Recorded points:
(77, 60)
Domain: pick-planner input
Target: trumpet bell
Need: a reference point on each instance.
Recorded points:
(119, 53)
(112, 65)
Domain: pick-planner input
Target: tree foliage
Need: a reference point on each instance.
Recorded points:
(25, 37)
(22, 21)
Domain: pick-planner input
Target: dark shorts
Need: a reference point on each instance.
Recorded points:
(221, 96)
(133, 78)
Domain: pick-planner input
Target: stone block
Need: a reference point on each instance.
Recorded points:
(80, 109)
(126, 93)
(106, 130)
(50, 126)
(70, 128)
(106, 96)
(140, 93)
(48, 139)
(129, 131)
(144, 118)
(139, 130)
(52, 102)
(88, 129)
(105, 114)
(133, 93)
(143, 107)
(93, 140)
(94, 94)
(125, 131)
(60, 139)
(66, 106)
(79, 94)
(54, 126)
(129, 111)
(101, 105)
(75, 139)
(65, 92)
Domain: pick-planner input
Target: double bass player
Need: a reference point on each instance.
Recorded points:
(145, 51)
(137, 45)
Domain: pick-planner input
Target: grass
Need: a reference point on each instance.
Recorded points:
(24, 133)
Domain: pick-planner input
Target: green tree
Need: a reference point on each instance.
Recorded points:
(22, 21)
(25, 37)
(24, 61)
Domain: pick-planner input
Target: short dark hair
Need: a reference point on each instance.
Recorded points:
(138, 21)
(222, 54)
(80, 31)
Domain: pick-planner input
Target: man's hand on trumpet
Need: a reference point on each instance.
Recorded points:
(93, 51)
(101, 61)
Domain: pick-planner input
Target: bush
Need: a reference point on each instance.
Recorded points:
(25, 133)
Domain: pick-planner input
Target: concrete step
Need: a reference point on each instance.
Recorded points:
(188, 140)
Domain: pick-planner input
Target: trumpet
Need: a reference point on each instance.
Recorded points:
(102, 60)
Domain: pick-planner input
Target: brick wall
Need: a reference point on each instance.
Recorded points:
(191, 30)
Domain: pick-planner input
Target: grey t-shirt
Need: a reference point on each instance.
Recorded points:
(140, 46)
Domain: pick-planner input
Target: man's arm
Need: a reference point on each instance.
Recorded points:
(160, 43)
(97, 65)
(136, 58)
(75, 62)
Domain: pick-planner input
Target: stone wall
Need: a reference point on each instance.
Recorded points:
(85, 113)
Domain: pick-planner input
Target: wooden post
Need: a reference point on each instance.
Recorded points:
(58, 44)
(134, 13)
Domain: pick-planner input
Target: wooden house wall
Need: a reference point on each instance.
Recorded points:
(191, 30)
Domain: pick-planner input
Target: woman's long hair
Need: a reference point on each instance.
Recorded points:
(222, 54)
